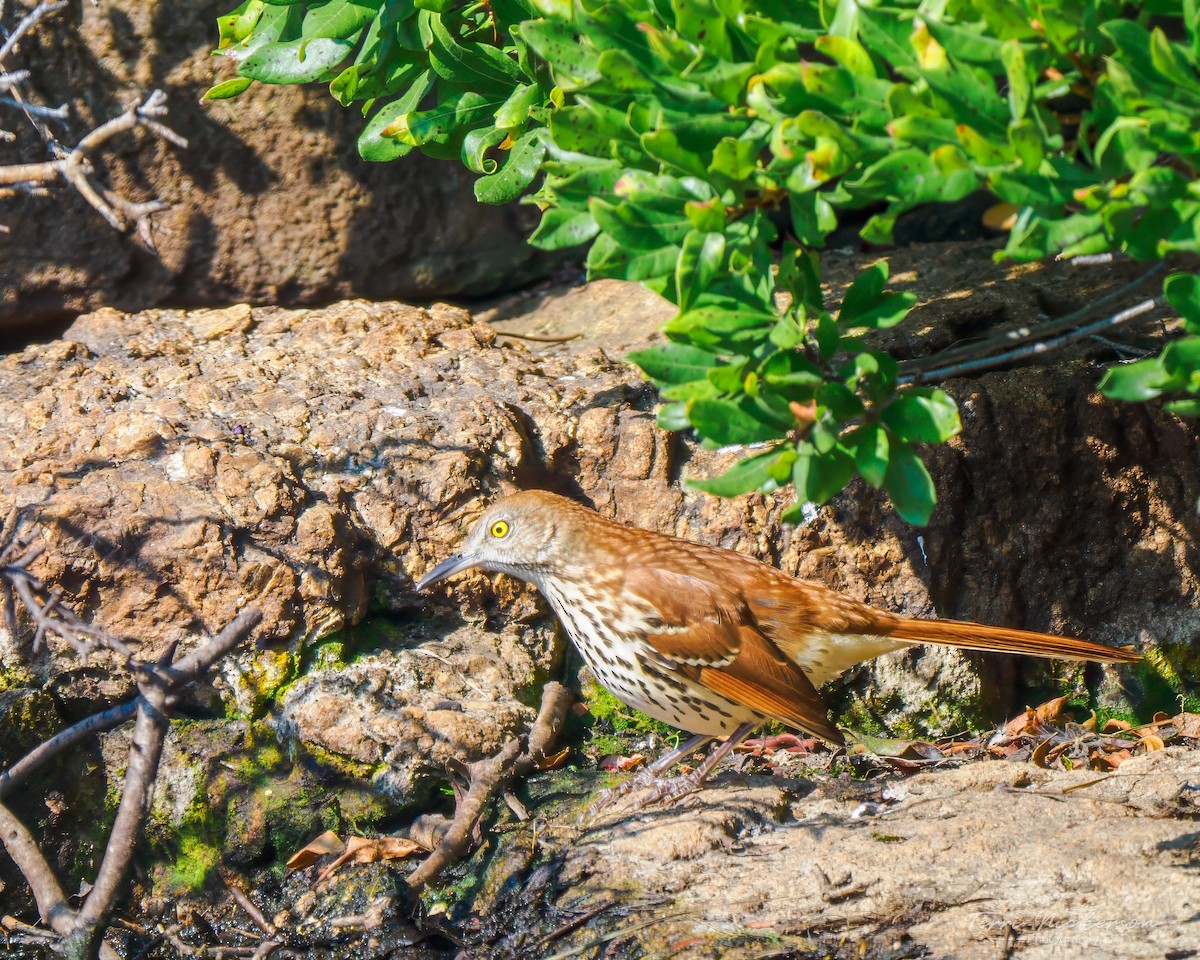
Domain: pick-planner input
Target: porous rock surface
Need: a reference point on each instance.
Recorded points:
(991, 859)
(269, 203)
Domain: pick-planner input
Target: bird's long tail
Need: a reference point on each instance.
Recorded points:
(978, 636)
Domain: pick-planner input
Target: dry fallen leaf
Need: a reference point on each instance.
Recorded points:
(1052, 713)
(780, 741)
(325, 844)
(1040, 751)
(1021, 723)
(556, 760)
(368, 850)
(1152, 742)
(1187, 725)
(1108, 761)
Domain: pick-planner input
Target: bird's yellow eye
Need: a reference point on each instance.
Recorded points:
(500, 529)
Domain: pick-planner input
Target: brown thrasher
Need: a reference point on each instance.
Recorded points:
(703, 638)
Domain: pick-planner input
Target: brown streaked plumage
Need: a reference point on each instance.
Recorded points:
(701, 637)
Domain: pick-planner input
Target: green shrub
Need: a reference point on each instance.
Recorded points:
(707, 149)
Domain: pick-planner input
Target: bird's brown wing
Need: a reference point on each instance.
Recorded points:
(706, 633)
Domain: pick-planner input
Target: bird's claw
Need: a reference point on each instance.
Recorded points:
(658, 789)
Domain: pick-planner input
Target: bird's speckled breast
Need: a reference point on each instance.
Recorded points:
(611, 644)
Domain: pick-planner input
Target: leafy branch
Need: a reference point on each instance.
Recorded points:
(709, 149)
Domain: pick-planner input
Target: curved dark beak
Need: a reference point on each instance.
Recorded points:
(447, 568)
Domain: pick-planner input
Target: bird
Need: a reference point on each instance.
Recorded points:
(708, 640)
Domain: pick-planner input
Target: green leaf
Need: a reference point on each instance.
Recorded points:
(729, 422)
(1183, 408)
(560, 228)
(1140, 380)
(337, 19)
(699, 261)
(818, 476)
(791, 368)
(759, 472)
(735, 159)
(1181, 361)
(923, 415)
(227, 89)
(864, 293)
(380, 140)
(674, 362)
(1182, 291)
(509, 182)
(673, 417)
(294, 61)
(871, 454)
(910, 486)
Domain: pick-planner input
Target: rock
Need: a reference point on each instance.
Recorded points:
(402, 715)
(950, 862)
(269, 203)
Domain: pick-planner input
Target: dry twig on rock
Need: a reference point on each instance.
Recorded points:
(80, 931)
(490, 777)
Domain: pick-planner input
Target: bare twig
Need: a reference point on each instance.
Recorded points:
(490, 777)
(28, 22)
(8, 80)
(76, 167)
(487, 776)
(934, 374)
(51, 901)
(546, 729)
(234, 884)
(1025, 341)
(19, 772)
(81, 931)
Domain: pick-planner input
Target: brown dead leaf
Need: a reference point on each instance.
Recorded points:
(556, 760)
(805, 414)
(780, 741)
(371, 850)
(1108, 761)
(325, 844)
(1187, 725)
(1052, 713)
(1113, 724)
(1040, 752)
(1022, 723)
(1152, 742)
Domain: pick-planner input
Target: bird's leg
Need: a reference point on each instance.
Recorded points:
(675, 787)
(650, 773)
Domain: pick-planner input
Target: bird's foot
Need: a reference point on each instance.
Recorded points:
(667, 790)
(646, 777)
(645, 789)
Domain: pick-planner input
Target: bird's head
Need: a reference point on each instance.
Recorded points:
(519, 535)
